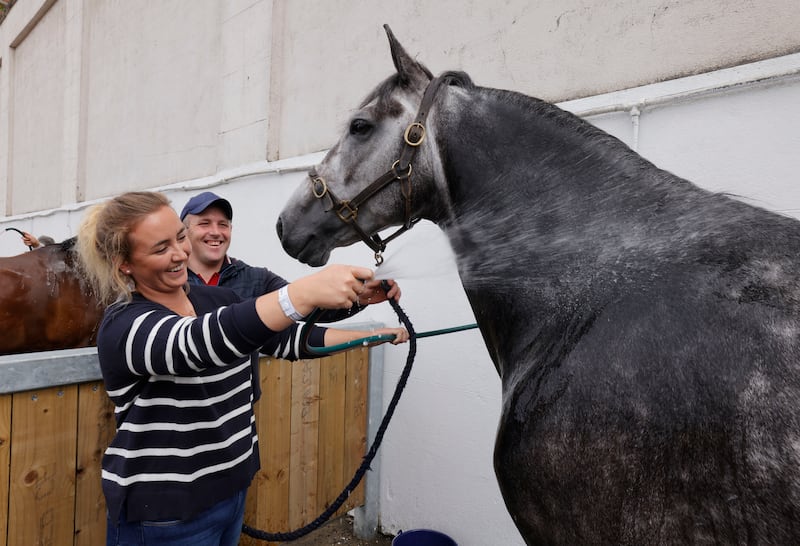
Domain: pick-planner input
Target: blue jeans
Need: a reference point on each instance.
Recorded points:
(220, 525)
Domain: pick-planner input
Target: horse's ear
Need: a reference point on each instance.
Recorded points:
(408, 69)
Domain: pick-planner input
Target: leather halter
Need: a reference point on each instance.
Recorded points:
(347, 209)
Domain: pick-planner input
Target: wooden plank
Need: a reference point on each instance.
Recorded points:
(43, 450)
(312, 432)
(267, 506)
(355, 421)
(96, 429)
(332, 389)
(5, 462)
(304, 443)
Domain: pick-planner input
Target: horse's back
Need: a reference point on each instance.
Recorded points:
(45, 303)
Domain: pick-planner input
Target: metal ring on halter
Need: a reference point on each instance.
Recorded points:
(409, 129)
(346, 213)
(400, 176)
(319, 181)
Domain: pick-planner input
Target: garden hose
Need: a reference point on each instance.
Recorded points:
(373, 450)
(369, 340)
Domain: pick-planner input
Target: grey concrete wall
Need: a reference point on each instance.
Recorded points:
(99, 96)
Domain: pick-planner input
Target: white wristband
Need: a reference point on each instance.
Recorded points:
(286, 304)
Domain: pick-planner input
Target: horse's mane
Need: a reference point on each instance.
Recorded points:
(458, 78)
(68, 244)
(569, 126)
(382, 93)
(539, 108)
(69, 250)
(560, 117)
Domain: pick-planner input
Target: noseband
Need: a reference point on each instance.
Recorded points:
(347, 209)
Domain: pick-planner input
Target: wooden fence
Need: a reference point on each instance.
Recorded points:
(312, 426)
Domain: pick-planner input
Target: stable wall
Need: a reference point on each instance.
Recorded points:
(102, 96)
(56, 421)
(436, 461)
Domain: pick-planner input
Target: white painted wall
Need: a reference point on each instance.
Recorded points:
(102, 96)
(436, 460)
(275, 80)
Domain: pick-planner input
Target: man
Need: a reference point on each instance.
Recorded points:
(208, 218)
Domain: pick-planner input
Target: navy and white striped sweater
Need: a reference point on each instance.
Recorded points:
(183, 390)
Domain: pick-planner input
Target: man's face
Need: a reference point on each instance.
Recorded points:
(210, 235)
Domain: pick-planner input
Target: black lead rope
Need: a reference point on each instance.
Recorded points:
(367, 461)
(30, 247)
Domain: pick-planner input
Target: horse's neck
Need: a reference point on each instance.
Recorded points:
(536, 193)
(509, 153)
(537, 203)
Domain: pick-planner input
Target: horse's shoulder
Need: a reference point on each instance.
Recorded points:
(8, 270)
(14, 288)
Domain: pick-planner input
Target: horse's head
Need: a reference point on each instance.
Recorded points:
(371, 179)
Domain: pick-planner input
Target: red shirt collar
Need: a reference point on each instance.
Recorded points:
(214, 280)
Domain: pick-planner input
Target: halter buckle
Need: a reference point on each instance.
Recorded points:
(415, 134)
(346, 213)
(319, 187)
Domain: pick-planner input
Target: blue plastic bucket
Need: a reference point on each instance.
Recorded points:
(423, 537)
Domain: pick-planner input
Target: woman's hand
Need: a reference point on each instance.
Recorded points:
(335, 287)
(400, 334)
(337, 336)
(372, 292)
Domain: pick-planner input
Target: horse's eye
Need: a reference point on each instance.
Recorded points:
(360, 127)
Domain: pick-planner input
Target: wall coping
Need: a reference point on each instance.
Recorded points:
(29, 371)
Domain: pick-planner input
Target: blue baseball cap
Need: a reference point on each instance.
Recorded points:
(202, 201)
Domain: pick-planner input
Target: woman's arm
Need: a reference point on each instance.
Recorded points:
(348, 293)
(335, 336)
(335, 287)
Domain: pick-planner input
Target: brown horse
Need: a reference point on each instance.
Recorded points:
(45, 303)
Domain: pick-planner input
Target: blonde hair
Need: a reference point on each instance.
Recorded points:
(103, 242)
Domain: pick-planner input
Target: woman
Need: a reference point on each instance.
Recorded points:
(179, 366)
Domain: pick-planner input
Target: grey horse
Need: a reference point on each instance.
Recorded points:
(646, 331)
